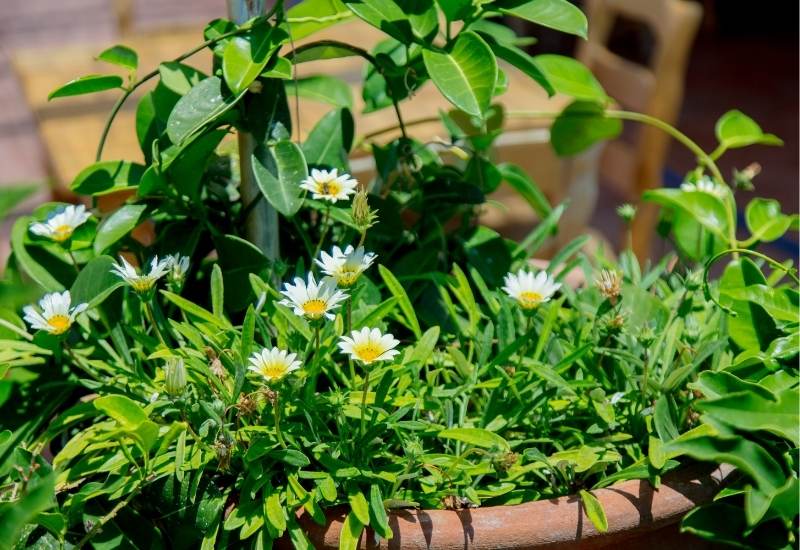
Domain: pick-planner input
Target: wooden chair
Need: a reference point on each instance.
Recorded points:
(655, 89)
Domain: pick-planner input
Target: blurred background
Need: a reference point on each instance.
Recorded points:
(686, 61)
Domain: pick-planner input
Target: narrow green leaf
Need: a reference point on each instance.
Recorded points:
(217, 291)
(351, 532)
(475, 436)
(25, 261)
(377, 513)
(594, 511)
(399, 292)
(193, 309)
(358, 505)
(95, 282)
(248, 333)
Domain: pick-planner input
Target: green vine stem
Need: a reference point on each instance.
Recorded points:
(791, 272)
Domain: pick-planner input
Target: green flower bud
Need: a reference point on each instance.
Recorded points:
(175, 377)
(363, 215)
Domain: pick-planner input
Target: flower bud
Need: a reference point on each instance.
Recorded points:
(363, 215)
(609, 283)
(627, 212)
(175, 377)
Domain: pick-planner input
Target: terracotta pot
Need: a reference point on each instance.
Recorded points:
(638, 515)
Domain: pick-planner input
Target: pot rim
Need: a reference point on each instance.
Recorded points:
(632, 507)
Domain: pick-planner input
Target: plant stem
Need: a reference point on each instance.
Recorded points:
(128, 91)
(74, 261)
(277, 413)
(364, 402)
(324, 233)
(150, 317)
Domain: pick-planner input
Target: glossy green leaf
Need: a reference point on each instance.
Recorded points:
(310, 16)
(120, 55)
(765, 221)
(707, 209)
(466, 74)
(560, 15)
(202, 106)
(735, 129)
(246, 55)
(594, 511)
(579, 126)
(750, 411)
(715, 384)
(475, 436)
(519, 59)
(414, 20)
(239, 259)
(779, 303)
(751, 327)
(326, 89)
(455, 10)
(748, 456)
(280, 68)
(323, 50)
(279, 170)
(358, 505)
(87, 85)
(570, 77)
(107, 176)
(117, 226)
(330, 140)
(26, 262)
(95, 282)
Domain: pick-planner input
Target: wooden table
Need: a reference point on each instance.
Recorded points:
(70, 127)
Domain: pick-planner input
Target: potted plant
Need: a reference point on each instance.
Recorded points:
(376, 368)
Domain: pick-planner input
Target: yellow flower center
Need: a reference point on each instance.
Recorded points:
(331, 188)
(314, 309)
(62, 233)
(142, 284)
(273, 371)
(347, 277)
(529, 299)
(59, 323)
(367, 352)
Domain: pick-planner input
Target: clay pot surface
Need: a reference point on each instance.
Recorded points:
(639, 516)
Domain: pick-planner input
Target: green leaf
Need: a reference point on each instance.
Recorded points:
(124, 410)
(274, 512)
(324, 50)
(425, 346)
(13, 195)
(25, 261)
(735, 129)
(193, 309)
(310, 16)
(327, 89)
(655, 452)
(377, 513)
(707, 209)
(120, 55)
(95, 282)
(330, 140)
(560, 15)
(107, 176)
(517, 178)
(399, 292)
(475, 436)
(720, 522)
(351, 532)
(358, 505)
(570, 77)
(751, 327)
(415, 20)
(291, 456)
(519, 59)
(594, 511)
(746, 455)
(246, 55)
(750, 411)
(776, 301)
(238, 259)
(38, 495)
(455, 10)
(579, 126)
(279, 170)
(716, 384)
(765, 221)
(217, 291)
(87, 85)
(465, 75)
(117, 226)
(202, 106)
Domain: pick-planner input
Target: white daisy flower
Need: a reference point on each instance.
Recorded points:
(142, 282)
(273, 364)
(313, 300)
(345, 267)
(178, 267)
(327, 185)
(705, 185)
(61, 223)
(56, 315)
(369, 345)
(528, 290)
